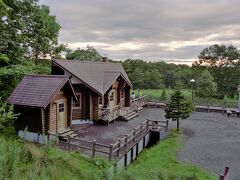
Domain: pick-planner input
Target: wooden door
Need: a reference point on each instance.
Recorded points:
(111, 98)
(62, 114)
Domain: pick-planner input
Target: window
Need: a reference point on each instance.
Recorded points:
(111, 96)
(100, 100)
(77, 103)
(61, 107)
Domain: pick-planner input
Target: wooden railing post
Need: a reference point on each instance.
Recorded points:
(93, 148)
(141, 129)
(111, 151)
(221, 177)
(69, 145)
(147, 124)
(134, 134)
(126, 141)
(226, 171)
(119, 146)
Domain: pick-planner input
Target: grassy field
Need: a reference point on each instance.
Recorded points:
(159, 162)
(20, 160)
(155, 94)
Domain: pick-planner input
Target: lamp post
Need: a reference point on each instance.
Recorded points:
(192, 82)
(238, 97)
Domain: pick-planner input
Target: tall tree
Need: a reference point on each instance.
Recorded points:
(88, 54)
(137, 78)
(27, 29)
(178, 108)
(224, 64)
(205, 86)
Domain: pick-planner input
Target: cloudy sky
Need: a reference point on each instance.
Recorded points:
(174, 31)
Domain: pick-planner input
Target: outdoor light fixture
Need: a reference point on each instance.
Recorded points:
(192, 81)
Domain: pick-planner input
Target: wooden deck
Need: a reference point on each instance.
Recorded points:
(115, 148)
(113, 113)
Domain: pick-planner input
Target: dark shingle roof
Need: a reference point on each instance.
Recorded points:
(98, 75)
(37, 90)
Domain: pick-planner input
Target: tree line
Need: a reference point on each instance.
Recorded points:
(29, 33)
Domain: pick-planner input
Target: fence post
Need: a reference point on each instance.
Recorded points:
(221, 177)
(126, 140)
(134, 134)
(69, 139)
(93, 148)
(111, 151)
(166, 128)
(226, 171)
(147, 124)
(119, 146)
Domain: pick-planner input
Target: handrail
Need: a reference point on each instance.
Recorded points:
(121, 144)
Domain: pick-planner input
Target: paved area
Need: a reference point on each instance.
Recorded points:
(212, 142)
(109, 134)
(212, 139)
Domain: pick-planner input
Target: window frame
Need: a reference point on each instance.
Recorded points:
(79, 105)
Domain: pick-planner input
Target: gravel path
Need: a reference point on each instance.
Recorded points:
(212, 139)
(212, 142)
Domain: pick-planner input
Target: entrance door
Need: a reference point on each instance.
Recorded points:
(112, 98)
(62, 114)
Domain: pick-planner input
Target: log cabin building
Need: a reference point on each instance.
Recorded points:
(76, 90)
(102, 88)
(44, 103)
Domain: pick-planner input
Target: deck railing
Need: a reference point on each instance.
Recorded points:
(119, 147)
(139, 102)
(110, 113)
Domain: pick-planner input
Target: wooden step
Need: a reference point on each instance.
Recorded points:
(131, 116)
(68, 133)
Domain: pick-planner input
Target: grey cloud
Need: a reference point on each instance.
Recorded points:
(148, 22)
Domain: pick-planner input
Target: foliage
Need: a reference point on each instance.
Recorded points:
(164, 95)
(178, 107)
(27, 29)
(11, 75)
(20, 160)
(205, 86)
(89, 54)
(160, 162)
(224, 64)
(7, 118)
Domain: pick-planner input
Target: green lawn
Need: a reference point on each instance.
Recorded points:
(155, 94)
(159, 162)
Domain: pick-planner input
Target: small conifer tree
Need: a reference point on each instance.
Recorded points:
(178, 108)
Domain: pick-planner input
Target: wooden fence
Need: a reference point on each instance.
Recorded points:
(116, 149)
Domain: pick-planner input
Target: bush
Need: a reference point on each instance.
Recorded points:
(7, 118)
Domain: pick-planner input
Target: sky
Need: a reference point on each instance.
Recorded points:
(154, 30)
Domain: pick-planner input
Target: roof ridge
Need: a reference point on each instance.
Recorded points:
(88, 61)
(112, 71)
(46, 75)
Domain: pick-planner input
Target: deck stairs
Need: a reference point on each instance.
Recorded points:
(66, 133)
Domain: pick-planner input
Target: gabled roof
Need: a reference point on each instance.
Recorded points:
(38, 90)
(99, 76)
